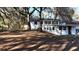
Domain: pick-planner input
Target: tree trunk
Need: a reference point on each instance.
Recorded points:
(29, 26)
(40, 14)
(28, 20)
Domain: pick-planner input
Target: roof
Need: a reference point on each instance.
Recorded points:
(61, 21)
(61, 25)
(43, 19)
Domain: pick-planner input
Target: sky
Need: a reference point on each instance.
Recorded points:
(45, 14)
(76, 13)
(76, 10)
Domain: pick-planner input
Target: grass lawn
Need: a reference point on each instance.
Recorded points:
(37, 41)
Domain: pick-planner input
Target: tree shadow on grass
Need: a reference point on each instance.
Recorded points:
(38, 42)
(19, 44)
(72, 45)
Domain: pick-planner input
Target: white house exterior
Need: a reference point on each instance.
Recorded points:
(57, 29)
(35, 24)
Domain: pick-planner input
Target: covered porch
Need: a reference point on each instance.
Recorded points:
(68, 29)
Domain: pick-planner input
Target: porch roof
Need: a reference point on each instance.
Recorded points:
(61, 25)
(42, 19)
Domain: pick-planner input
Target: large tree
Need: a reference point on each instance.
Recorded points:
(65, 13)
(12, 18)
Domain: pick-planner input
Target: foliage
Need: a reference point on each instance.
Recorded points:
(16, 17)
(65, 13)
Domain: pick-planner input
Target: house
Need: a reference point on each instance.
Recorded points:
(57, 28)
(35, 24)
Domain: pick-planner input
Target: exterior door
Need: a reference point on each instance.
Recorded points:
(69, 30)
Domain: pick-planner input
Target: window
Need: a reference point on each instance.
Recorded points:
(47, 28)
(77, 31)
(50, 29)
(64, 27)
(45, 22)
(49, 22)
(52, 22)
(60, 27)
(53, 28)
(44, 27)
(35, 22)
